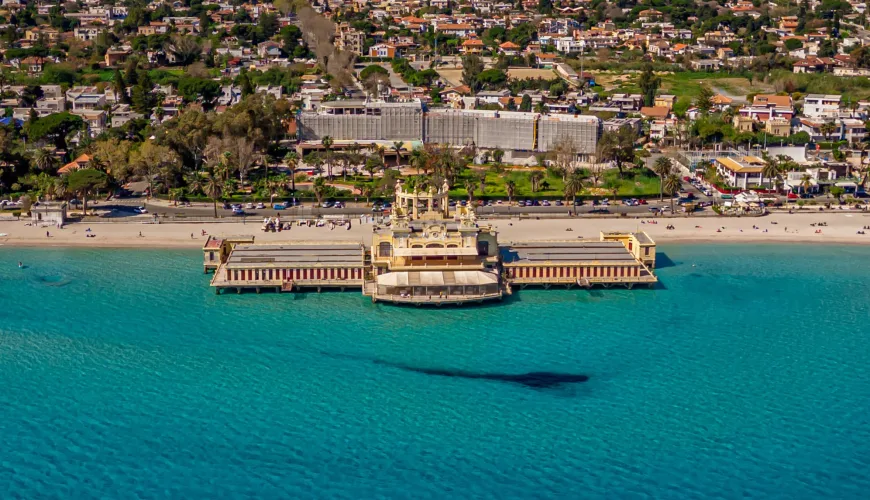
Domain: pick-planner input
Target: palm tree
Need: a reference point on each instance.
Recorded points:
(327, 143)
(672, 186)
(418, 159)
(398, 146)
(481, 178)
(469, 189)
(827, 129)
(770, 169)
(662, 167)
(44, 159)
(214, 189)
(319, 189)
(535, 177)
(510, 187)
(498, 156)
(61, 191)
(292, 161)
(806, 182)
(573, 185)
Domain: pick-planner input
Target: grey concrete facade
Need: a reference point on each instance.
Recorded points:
(507, 130)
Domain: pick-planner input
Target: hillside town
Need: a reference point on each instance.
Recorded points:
(524, 101)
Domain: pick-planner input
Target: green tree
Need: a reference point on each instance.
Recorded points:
(510, 188)
(573, 184)
(472, 67)
(213, 188)
(55, 127)
(535, 178)
(672, 187)
(373, 164)
(120, 87)
(319, 189)
(649, 84)
(44, 159)
(526, 103)
(662, 167)
(497, 156)
(704, 100)
(85, 181)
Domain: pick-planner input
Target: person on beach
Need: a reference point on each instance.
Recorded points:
(47, 234)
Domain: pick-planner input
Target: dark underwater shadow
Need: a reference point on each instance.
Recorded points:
(532, 380)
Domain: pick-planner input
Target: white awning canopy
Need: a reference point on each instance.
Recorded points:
(437, 278)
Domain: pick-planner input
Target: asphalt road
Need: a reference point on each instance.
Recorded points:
(124, 208)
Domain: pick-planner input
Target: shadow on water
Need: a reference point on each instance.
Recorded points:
(663, 261)
(533, 380)
(52, 280)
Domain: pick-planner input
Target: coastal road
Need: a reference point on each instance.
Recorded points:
(123, 208)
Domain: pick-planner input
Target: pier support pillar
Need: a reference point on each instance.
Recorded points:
(258, 290)
(238, 290)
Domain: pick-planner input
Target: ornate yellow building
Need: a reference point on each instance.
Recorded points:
(429, 257)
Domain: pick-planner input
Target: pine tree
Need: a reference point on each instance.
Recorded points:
(120, 87)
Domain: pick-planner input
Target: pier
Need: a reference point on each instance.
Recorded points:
(428, 257)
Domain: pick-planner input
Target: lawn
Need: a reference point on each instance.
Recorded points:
(637, 183)
(685, 83)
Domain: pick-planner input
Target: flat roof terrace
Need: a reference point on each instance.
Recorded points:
(247, 256)
(581, 251)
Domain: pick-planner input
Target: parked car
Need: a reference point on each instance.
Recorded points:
(260, 206)
(238, 211)
(338, 204)
(235, 206)
(249, 206)
(559, 203)
(545, 203)
(326, 204)
(279, 206)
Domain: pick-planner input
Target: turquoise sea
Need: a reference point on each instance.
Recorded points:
(746, 374)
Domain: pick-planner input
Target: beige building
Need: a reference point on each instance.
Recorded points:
(427, 257)
(779, 127)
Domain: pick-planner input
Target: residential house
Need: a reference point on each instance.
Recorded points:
(708, 65)
(509, 48)
(492, 96)
(83, 161)
(115, 56)
(777, 126)
(383, 50)
(743, 123)
(655, 112)
(765, 106)
(719, 38)
(268, 49)
(85, 98)
(95, 120)
(472, 46)
(665, 101)
(460, 30)
(822, 106)
(33, 65)
(88, 33)
(742, 172)
(275, 91)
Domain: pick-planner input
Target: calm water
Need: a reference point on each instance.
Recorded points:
(745, 375)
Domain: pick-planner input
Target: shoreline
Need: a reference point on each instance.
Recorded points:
(840, 229)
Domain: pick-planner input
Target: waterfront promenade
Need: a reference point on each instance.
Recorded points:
(841, 228)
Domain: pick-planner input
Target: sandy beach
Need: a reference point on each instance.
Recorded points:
(841, 228)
